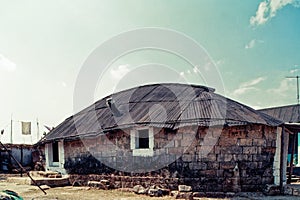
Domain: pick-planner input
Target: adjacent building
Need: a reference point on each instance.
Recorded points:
(290, 115)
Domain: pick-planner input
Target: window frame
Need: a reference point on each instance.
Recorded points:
(134, 139)
(49, 148)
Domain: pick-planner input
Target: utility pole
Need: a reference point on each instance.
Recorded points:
(297, 78)
(37, 129)
(11, 129)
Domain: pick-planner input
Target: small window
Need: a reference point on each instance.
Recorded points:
(143, 139)
(55, 153)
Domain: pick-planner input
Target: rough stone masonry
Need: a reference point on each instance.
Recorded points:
(239, 158)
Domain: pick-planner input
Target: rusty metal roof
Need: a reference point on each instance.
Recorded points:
(167, 105)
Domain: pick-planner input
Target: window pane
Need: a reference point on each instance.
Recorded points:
(143, 139)
(55, 152)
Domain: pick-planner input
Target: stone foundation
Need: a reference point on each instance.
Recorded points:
(125, 181)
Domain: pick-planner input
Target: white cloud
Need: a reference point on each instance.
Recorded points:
(247, 86)
(253, 82)
(243, 90)
(268, 9)
(260, 17)
(119, 72)
(195, 69)
(285, 85)
(220, 62)
(251, 44)
(278, 4)
(293, 71)
(6, 64)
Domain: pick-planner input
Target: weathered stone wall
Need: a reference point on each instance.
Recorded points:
(126, 181)
(242, 158)
(209, 159)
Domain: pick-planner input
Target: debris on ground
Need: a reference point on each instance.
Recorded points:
(102, 184)
(139, 189)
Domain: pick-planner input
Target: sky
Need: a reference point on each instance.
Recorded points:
(253, 44)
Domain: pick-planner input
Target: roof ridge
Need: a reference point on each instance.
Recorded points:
(277, 107)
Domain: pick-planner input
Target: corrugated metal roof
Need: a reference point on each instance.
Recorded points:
(288, 113)
(160, 105)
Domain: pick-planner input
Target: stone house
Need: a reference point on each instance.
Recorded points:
(170, 134)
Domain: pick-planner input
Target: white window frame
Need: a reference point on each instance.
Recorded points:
(134, 133)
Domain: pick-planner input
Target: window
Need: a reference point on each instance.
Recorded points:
(142, 141)
(55, 152)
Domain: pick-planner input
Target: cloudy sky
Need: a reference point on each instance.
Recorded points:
(43, 44)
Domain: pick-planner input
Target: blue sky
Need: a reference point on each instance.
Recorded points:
(43, 45)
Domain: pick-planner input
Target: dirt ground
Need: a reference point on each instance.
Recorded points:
(29, 192)
(73, 193)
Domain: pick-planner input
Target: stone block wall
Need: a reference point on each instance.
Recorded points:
(239, 158)
(122, 181)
